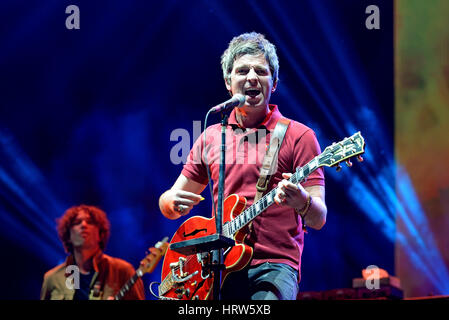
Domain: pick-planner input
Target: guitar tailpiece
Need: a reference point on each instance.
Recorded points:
(176, 279)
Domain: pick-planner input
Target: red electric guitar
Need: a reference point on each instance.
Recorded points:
(183, 276)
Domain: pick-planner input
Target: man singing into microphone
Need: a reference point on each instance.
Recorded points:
(250, 68)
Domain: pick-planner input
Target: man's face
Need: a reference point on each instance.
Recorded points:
(84, 233)
(251, 76)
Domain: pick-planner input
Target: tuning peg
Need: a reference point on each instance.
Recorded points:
(349, 163)
(338, 167)
(359, 158)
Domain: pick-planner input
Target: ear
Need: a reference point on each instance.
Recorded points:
(228, 84)
(274, 87)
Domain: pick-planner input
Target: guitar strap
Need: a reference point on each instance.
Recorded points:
(271, 157)
(99, 280)
(270, 160)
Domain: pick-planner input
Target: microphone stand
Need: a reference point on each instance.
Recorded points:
(217, 265)
(214, 243)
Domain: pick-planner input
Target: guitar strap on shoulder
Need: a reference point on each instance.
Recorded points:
(271, 156)
(99, 280)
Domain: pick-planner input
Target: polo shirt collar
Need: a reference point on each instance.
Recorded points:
(269, 122)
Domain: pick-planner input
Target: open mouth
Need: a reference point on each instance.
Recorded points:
(252, 92)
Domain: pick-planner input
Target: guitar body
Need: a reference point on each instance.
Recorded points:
(200, 286)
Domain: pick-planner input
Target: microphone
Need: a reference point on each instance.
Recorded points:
(236, 100)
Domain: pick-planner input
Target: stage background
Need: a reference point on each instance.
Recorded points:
(87, 117)
(422, 145)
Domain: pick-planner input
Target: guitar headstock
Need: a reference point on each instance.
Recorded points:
(150, 262)
(343, 151)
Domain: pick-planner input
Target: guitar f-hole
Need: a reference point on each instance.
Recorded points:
(194, 232)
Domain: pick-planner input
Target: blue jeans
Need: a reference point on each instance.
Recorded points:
(267, 281)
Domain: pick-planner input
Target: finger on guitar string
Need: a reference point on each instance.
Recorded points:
(286, 185)
(289, 193)
(280, 197)
(287, 175)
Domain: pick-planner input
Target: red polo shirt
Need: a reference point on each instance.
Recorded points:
(277, 232)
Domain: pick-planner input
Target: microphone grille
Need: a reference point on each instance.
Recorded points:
(241, 98)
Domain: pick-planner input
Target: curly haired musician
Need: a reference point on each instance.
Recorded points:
(250, 67)
(84, 232)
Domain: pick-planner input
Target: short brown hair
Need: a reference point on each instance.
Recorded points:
(252, 43)
(65, 223)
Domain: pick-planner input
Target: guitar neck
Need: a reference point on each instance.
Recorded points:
(128, 285)
(166, 284)
(231, 227)
(331, 156)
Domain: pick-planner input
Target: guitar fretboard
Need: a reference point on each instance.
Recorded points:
(331, 156)
(166, 284)
(231, 227)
